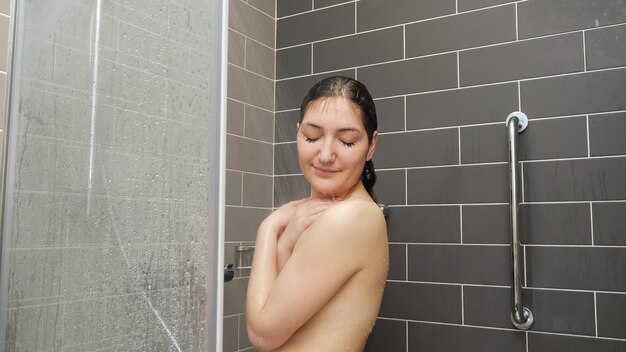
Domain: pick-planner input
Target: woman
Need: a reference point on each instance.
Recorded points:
(320, 263)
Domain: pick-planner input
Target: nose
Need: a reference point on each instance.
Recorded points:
(327, 153)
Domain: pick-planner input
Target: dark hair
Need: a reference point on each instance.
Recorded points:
(356, 92)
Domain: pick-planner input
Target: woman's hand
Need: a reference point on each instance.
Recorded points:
(292, 219)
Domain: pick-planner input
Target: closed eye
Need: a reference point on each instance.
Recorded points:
(311, 140)
(348, 144)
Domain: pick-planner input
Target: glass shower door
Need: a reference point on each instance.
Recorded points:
(110, 228)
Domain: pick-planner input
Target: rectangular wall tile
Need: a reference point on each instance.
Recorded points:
(441, 303)
(550, 343)
(609, 223)
(424, 148)
(466, 5)
(462, 106)
(390, 114)
(480, 299)
(554, 139)
(461, 31)
(294, 61)
(606, 47)
(459, 184)
(235, 296)
(242, 223)
(231, 329)
(250, 88)
(285, 126)
(267, 6)
(257, 190)
(377, 13)
(537, 18)
(397, 262)
(356, 50)
(557, 224)
(487, 224)
(235, 117)
(410, 76)
(387, 336)
(611, 315)
(251, 22)
(291, 7)
(259, 124)
(574, 94)
(244, 342)
(289, 93)
(3, 96)
(602, 269)
(248, 155)
(575, 180)
(526, 59)
(4, 41)
(424, 224)
(606, 134)
(484, 144)
(236, 48)
(437, 337)
(555, 308)
(543, 139)
(5, 7)
(390, 187)
(260, 58)
(288, 188)
(233, 187)
(304, 28)
(286, 159)
(487, 265)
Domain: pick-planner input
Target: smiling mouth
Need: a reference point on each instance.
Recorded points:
(324, 171)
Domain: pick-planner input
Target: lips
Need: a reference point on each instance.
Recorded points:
(324, 172)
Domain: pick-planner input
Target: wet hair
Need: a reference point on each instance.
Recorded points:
(356, 92)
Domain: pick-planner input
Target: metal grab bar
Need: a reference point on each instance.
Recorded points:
(521, 317)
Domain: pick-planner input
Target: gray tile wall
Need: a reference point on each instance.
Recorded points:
(445, 74)
(249, 150)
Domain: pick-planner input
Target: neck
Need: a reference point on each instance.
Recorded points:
(358, 191)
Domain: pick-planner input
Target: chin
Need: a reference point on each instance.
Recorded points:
(322, 188)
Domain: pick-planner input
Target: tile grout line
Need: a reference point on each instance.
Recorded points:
(584, 32)
(588, 137)
(356, 18)
(459, 143)
(526, 333)
(404, 102)
(461, 221)
(406, 334)
(593, 241)
(406, 262)
(458, 70)
(484, 327)
(404, 42)
(516, 24)
(462, 305)
(595, 310)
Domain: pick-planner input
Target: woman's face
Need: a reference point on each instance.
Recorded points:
(332, 146)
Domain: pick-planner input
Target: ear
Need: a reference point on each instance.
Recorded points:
(372, 147)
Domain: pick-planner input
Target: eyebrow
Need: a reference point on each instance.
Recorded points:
(341, 130)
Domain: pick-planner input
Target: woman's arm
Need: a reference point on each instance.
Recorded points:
(293, 221)
(280, 302)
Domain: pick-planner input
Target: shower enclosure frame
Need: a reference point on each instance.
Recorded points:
(214, 328)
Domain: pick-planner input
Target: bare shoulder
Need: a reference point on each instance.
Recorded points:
(353, 218)
(356, 210)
